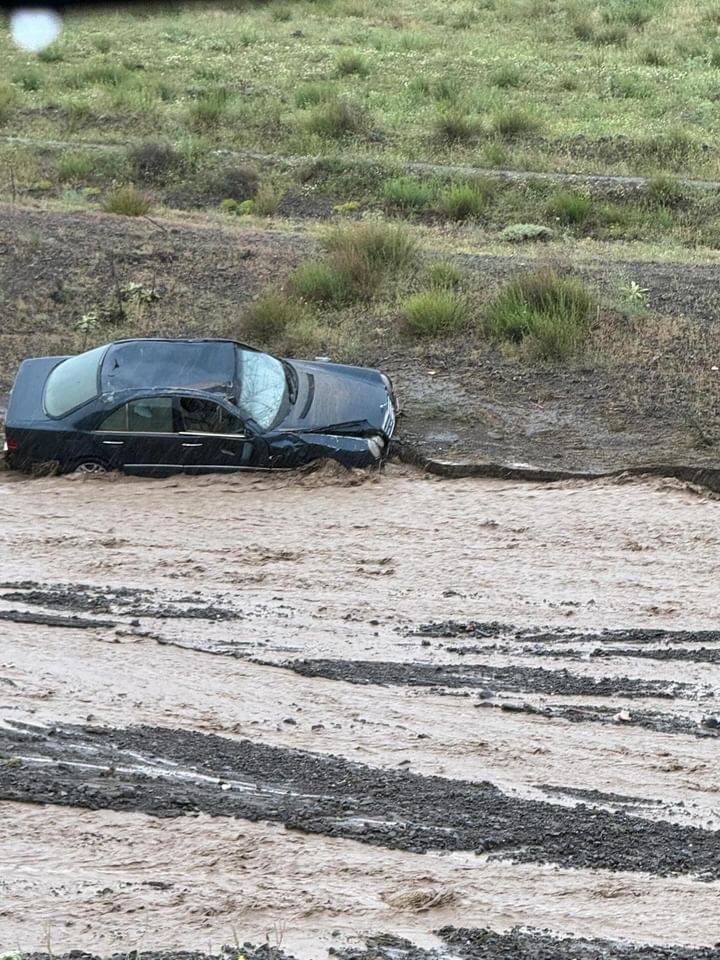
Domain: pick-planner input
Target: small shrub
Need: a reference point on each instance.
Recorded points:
(432, 312)
(384, 246)
(234, 183)
(629, 88)
(452, 126)
(351, 64)
(29, 80)
(210, 108)
(507, 75)
(153, 162)
(652, 57)
(583, 28)
(569, 208)
(512, 124)
(311, 94)
(336, 119)
(8, 99)
(525, 233)
(271, 315)
(665, 191)
(322, 282)
(102, 44)
(51, 54)
(408, 193)
(443, 275)
(547, 313)
(127, 201)
(266, 201)
(611, 35)
(461, 201)
(74, 166)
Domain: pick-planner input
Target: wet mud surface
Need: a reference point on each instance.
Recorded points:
(379, 750)
(170, 773)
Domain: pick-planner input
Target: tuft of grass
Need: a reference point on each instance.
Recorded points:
(629, 88)
(613, 34)
(209, 108)
(462, 201)
(511, 124)
(507, 75)
(408, 193)
(664, 191)
(569, 207)
(8, 100)
(434, 312)
(525, 233)
(154, 162)
(454, 126)
(323, 282)
(266, 201)
(546, 313)
(29, 80)
(364, 253)
(583, 28)
(73, 166)
(127, 201)
(337, 118)
(271, 315)
(102, 44)
(51, 54)
(311, 94)
(443, 275)
(654, 57)
(351, 64)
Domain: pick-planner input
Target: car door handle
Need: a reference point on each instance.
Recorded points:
(114, 443)
(192, 444)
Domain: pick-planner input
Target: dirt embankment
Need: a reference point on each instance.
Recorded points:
(464, 402)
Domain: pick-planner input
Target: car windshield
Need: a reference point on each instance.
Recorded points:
(73, 382)
(262, 387)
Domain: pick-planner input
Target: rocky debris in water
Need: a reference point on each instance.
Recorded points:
(128, 601)
(519, 679)
(54, 620)
(589, 713)
(450, 629)
(168, 773)
(248, 950)
(516, 944)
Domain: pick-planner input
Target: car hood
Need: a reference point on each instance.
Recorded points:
(338, 398)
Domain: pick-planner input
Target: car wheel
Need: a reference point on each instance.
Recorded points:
(91, 467)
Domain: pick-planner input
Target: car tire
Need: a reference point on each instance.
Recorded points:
(90, 468)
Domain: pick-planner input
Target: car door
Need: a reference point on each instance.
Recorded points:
(213, 437)
(140, 437)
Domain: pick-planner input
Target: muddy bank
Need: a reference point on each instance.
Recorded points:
(546, 635)
(491, 679)
(171, 773)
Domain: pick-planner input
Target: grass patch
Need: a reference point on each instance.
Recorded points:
(453, 126)
(569, 208)
(337, 118)
(209, 108)
(443, 275)
(311, 94)
(51, 54)
(408, 193)
(365, 253)
(29, 80)
(511, 124)
(127, 201)
(526, 233)
(463, 201)
(154, 162)
(434, 312)
(271, 315)
(8, 100)
(322, 282)
(74, 166)
(351, 65)
(508, 75)
(545, 313)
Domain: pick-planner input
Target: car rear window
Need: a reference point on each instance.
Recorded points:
(73, 382)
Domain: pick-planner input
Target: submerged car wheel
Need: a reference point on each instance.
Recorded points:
(91, 467)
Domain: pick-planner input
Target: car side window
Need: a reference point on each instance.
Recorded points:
(149, 415)
(205, 416)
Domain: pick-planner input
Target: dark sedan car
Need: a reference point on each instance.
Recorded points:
(163, 406)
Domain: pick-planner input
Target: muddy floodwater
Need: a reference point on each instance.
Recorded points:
(388, 715)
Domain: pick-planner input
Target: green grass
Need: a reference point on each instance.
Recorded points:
(431, 313)
(74, 166)
(127, 201)
(321, 282)
(337, 118)
(408, 193)
(544, 313)
(443, 275)
(464, 200)
(569, 207)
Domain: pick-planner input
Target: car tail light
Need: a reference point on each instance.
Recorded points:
(12, 443)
